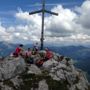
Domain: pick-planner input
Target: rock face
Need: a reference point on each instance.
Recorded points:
(60, 71)
(43, 85)
(54, 74)
(11, 67)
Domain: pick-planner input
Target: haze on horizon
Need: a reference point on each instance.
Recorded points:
(70, 27)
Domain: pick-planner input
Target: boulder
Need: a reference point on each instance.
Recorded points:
(11, 67)
(50, 64)
(43, 85)
(33, 69)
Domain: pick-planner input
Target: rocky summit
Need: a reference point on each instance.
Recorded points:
(54, 74)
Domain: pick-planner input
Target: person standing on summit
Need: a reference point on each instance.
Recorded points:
(36, 46)
(18, 51)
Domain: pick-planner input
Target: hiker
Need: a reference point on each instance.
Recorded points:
(60, 58)
(48, 55)
(39, 61)
(44, 57)
(67, 61)
(35, 49)
(28, 56)
(28, 53)
(36, 46)
(18, 51)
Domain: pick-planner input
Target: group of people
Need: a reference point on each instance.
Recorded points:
(20, 51)
(30, 52)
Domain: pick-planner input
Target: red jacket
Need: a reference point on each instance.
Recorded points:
(49, 54)
(18, 50)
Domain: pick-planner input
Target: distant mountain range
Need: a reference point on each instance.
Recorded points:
(6, 48)
(75, 52)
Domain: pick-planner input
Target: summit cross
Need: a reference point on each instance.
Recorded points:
(43, 11)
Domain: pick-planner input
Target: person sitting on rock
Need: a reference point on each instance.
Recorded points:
(28, 56)
(28, 53)
(40, 60)
(60, 58)
(48, 55)
(67, 61)
(35, 49)
(18, 51)
(39, 63)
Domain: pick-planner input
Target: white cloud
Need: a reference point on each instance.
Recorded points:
(3, 34)
(69, 27)
(61, 25)
(32, 19)
(84, 11)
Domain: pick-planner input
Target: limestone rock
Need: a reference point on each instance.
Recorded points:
(43, 85)
(61, 71)
(33, 69)
(49, 64)
(11, 67)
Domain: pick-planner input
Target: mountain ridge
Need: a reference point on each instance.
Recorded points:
(54, 74)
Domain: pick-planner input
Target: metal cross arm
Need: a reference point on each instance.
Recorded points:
(39, 11)
(35, 12)
(51, 12)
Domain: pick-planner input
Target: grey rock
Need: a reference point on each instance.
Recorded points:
(33, 69)
(11, 68)
(50, 64)
(43, 85)
(6, 88)
(16, 81)
(61, 71)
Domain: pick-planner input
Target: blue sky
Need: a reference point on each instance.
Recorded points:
(12, 5)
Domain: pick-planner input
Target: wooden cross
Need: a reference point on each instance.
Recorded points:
(43, 11)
